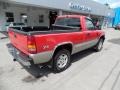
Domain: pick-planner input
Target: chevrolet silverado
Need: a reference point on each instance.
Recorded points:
(69, 34)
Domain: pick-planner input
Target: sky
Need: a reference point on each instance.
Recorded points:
(113, 3)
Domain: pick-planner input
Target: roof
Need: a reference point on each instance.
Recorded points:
(96, 8)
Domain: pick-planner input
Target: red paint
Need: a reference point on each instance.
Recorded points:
(52, 40)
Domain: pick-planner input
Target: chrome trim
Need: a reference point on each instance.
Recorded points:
(62, 61)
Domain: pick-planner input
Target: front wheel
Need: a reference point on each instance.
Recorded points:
(61, 60)
(99, 45)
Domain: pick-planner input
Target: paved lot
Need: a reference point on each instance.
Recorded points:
(89, 70)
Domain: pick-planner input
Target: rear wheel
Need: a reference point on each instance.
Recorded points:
(99, 45)
(61, 60)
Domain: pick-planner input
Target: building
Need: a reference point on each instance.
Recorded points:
(44, 12)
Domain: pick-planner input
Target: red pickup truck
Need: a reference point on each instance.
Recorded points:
(39, 44)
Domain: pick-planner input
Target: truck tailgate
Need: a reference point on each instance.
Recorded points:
(18, 40)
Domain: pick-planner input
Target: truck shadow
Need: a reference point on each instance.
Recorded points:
(38, 72)
(78, 56)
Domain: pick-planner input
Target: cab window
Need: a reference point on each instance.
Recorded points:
(72, 22)
(89, 24)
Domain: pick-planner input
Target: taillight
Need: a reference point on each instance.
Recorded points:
(31, 45)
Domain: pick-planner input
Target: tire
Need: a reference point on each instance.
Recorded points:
(61, 61)
(99, 45)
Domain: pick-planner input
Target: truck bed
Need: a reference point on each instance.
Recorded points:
(43, 29)
(19, 35)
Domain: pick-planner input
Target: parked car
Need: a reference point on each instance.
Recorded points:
(69, 35)
(117, 27)
(13, 24)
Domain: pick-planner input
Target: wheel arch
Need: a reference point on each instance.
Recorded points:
(102, 37)
(65, 45)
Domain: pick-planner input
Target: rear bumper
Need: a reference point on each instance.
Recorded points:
(19, 56)
(28, 60)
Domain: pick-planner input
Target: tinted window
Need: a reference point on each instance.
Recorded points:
(72, 22)
(9, 19)
(60, 21)
(9, 16)
(89, 24)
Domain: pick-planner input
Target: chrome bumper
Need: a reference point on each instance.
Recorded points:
(19, 56)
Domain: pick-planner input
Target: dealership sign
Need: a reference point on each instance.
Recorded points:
(79, 7)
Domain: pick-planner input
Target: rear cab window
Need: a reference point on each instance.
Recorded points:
(68, 22)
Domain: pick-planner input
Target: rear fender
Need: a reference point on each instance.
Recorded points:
(61, 44)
